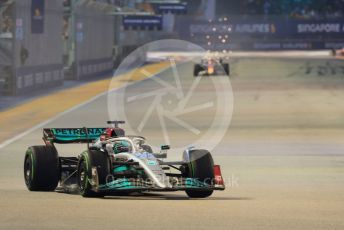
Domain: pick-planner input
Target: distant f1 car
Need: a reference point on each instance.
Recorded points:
(338, 52)
(211, 67)
(114, 162)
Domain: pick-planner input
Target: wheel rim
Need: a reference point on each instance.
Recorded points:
(82, 176)
(28, 170)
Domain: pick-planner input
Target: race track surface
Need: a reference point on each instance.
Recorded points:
(282, 156)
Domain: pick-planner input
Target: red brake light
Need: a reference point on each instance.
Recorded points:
(218, 175)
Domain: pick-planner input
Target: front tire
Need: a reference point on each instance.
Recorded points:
(41, 168)
(87, 161)
(200, 166)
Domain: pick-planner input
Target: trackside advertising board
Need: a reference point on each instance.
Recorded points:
(172, 8)
(258, 33)
(37, 16)
(139, 22)
(277, 28)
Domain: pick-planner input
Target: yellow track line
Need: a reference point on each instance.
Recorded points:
(27, 115)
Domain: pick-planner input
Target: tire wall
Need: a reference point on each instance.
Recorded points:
(38, 55)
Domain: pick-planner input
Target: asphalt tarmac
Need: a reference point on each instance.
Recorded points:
(282, 156)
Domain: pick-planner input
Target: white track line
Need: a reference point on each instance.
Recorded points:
(40, 125)
(21, 135)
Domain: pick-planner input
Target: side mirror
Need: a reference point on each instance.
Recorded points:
(165, 147)
(163, 151)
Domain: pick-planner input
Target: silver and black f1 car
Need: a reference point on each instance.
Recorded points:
(114, 162)
(211, 67)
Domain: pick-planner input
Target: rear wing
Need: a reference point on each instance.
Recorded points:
(71, 135)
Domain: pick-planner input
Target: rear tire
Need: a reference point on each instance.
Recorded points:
(41, 168)
(200, 166)
(333, 52)
(93, 158)
(226, 68)
(197, 69)
(198, 194)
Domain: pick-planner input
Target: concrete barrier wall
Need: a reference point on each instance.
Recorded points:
(94, 42)
(38, 56)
